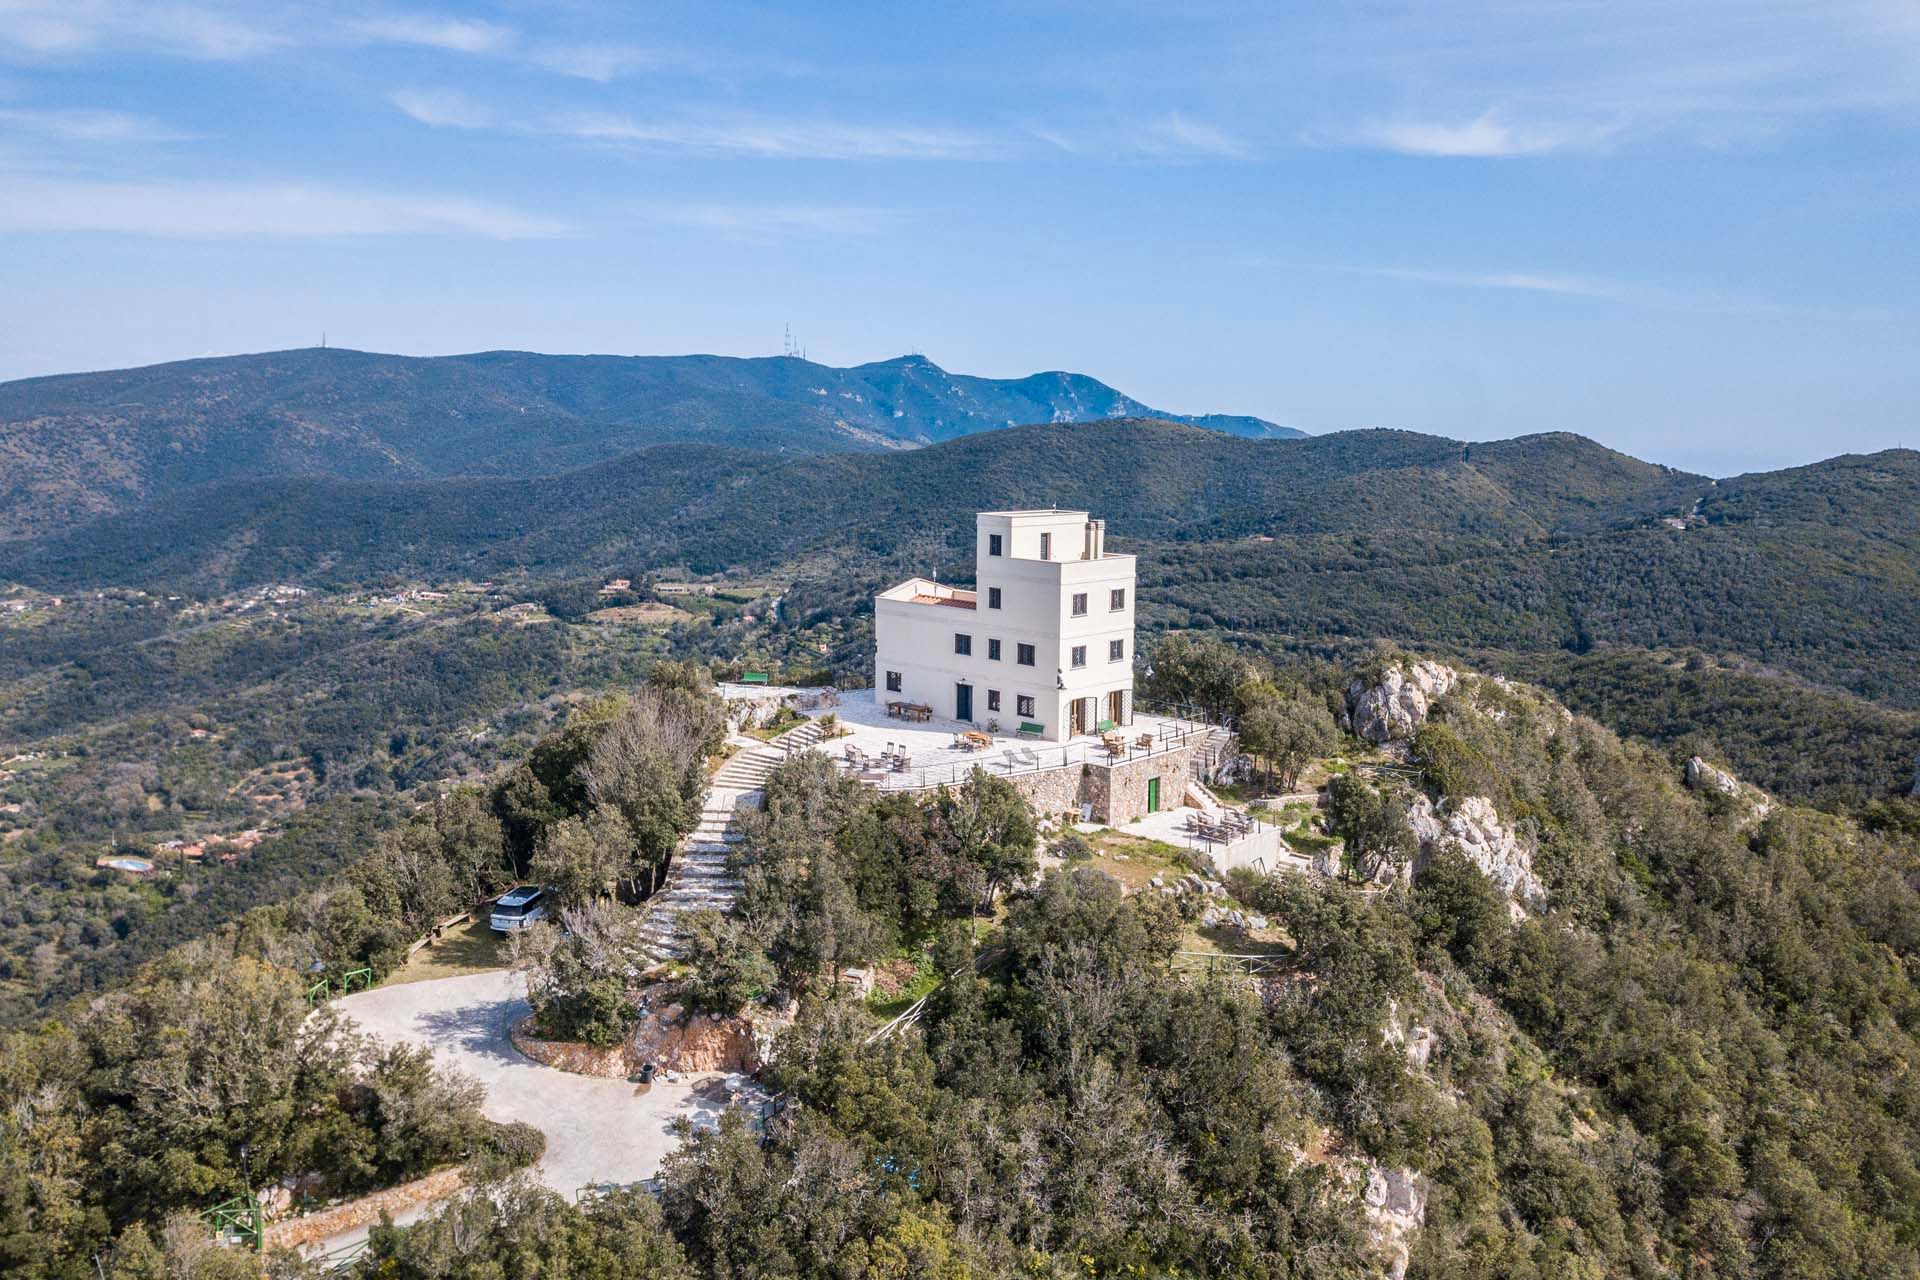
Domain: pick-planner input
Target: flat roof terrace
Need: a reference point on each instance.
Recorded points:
(876, 742)
(927, 591)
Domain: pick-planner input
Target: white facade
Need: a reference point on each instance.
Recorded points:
(1045, 637)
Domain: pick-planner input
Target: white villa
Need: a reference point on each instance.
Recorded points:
(1042, 647)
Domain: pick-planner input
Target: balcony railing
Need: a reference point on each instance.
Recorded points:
(1169, 734)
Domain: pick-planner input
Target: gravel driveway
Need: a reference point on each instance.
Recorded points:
(598, 1131)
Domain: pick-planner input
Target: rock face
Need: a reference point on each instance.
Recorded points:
(1473, 825)
(1396, 706)
(1396, 1207)
(1702, 776)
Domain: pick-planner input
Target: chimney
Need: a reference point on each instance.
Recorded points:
(1096, 539)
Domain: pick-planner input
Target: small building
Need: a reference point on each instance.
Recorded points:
(1041, 646)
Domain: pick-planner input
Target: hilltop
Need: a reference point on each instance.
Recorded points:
(78, 446)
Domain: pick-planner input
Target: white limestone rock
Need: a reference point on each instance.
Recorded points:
(1702, 776)
(1396, 1207)
(1395, 707)
(1473, 825)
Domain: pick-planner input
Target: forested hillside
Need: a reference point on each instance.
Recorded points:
(82, 445)
(1672, 1045)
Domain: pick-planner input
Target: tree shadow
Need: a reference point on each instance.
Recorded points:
(480, 1029)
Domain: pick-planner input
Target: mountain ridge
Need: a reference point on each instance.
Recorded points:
(74, 447)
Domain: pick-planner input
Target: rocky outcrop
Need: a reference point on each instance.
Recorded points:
(1473, 826)
(1702, 776)
(667, 1035)
(1396, 706)
(675, 1040)
(1396, 1208)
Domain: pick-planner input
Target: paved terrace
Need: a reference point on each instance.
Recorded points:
(934, 759)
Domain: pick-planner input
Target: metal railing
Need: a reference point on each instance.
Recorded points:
(1171, 734)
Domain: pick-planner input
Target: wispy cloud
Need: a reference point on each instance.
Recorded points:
(793, 139)
(67, 27)
(222, 210)
(739, 135)
(1631, 293)
(1524, 281)
(443, 108)
(78, 124)
(1172, 136)
(456, 35)
(777, 222)
(599, 62)
(1486, 136)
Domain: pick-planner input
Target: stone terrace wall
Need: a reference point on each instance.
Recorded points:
(1118, 793)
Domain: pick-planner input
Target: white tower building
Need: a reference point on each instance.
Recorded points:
(1042, 645)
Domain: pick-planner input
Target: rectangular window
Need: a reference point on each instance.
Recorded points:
(893, 682)
(993, 699)
(1079, 604)
(1118, 601)
(1116, 651)
(1079, 655)
(962, 644)
(1046, 546)
(993, 650)
(1023, 654)
(993, 544)
(1023, 705)
(993, 595)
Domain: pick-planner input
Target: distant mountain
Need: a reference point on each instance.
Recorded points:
(714, 507)
(83, 445)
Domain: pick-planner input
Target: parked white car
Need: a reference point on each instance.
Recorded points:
(518, 908)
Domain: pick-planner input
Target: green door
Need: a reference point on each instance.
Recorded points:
(1153, 795)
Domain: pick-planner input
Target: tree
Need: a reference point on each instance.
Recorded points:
(649, 768)
(993, 828)
(729, 968)
(577, 972)
(1289, 733)
(1201, 670)
(1372, 821)
(582, 858)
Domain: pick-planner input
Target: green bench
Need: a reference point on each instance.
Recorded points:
(1028, 729)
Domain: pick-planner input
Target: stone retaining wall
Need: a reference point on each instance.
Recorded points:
(310, 1229)
(1117, 792)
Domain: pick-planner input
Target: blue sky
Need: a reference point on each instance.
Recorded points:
(1691, 231)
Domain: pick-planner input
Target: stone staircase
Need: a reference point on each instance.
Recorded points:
(1212, 749)
(801, 737)
(699, 878)
(1200, 796)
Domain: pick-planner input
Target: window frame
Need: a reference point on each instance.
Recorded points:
(993, 648)
(1023, 706)
(1116, 651)
(1077, 607)
(1077, 658)
(1117, 600)
(993, 699)
(993, 597)
(1023, 655)
(893, 682)
(963, 644)
(995, 544)
(1046, 546)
